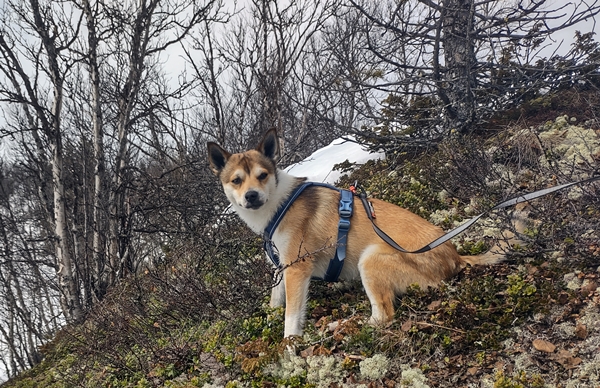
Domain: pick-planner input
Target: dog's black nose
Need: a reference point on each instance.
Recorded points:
(251, 196)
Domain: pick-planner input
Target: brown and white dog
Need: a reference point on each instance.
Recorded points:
(256, 189)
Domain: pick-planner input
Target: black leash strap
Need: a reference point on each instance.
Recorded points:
(466, 225)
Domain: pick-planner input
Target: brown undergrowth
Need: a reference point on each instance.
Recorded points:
(200, 318)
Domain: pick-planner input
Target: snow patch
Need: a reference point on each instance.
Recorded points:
(318, 167)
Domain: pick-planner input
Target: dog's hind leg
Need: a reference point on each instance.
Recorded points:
(373, 268)
(297, 280)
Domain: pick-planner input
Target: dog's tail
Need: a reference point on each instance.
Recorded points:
(490, 257)
(509, 239)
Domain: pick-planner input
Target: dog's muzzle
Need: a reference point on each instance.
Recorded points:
(253, 200)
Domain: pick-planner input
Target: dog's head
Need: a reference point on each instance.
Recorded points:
(248, 178)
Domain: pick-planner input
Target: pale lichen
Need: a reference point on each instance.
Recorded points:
(572, 144)
(587, 375)
(565, 330)
(374, 368)
(572, 281)
(323, 370)
(289, 366)
(413, 378)
(440, 216)
(590, 316)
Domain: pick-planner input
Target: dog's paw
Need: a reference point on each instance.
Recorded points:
(289, 347)
(290, 350)
(379, 321)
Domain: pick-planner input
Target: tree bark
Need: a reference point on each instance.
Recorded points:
(459, 55)
(70, 301)
(100, 281)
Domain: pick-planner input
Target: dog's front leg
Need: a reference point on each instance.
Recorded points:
(278, 291)
(296, 279)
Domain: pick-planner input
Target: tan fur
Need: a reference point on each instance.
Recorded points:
(306, 239)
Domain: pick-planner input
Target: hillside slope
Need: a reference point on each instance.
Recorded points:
(200, 318)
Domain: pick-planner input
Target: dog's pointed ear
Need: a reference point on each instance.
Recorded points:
(269, 145)
(217, 157)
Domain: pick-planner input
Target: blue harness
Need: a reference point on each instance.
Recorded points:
(345, 211)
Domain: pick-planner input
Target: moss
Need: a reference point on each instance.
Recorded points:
(518, 380)
(473, 248)
(406, 186)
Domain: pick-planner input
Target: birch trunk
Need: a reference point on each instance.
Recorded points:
(126, 102)
(70, 301)
(100, 276)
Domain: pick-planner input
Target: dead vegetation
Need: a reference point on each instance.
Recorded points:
(200, 318)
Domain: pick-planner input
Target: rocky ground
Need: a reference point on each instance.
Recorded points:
(531, 321)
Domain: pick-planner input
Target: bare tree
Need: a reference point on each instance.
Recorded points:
(258, 59)
(448, 65)
(85, 103)
(43, 23)
(27, 295)
(92, 14)
(150, 27)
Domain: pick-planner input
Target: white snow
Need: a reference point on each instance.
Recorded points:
(318, 167)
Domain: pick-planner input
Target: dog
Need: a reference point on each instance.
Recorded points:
(306, 237)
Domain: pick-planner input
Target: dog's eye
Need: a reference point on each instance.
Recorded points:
(263, 176)
(236, 181)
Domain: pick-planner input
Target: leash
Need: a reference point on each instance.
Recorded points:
(345, 212)
(449, 235)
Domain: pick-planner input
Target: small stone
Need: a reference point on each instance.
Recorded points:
(332, 326)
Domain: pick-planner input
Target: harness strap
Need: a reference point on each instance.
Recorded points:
(270, 229)
(345, 211)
